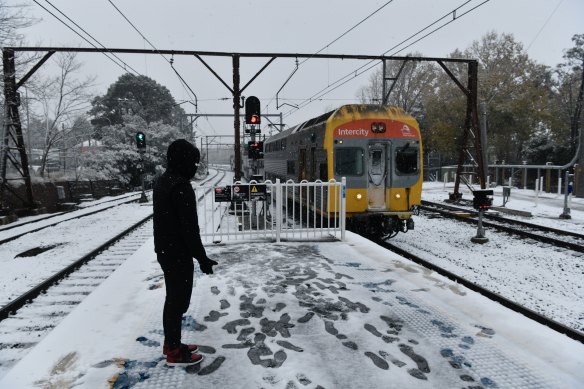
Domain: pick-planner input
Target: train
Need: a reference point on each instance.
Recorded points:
(378, 149)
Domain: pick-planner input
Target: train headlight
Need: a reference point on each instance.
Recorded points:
(397, 196)
(358, 196)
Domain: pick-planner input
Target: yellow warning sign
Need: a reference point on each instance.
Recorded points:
(254, 189)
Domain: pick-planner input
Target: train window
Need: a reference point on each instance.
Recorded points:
(348, 161)
(376, 162)
(406, 160)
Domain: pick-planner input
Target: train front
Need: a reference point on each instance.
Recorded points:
(379, 151)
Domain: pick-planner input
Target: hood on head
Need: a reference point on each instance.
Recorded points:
(183, 158)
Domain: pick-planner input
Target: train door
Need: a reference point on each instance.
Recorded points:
(376, 175)
(302, 165)
(302, 175)
(312, 175)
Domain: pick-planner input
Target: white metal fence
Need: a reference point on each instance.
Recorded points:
(275, 211)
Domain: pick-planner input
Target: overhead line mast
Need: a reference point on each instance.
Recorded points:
(13, 130)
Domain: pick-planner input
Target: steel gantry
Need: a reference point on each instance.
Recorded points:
(13, 140)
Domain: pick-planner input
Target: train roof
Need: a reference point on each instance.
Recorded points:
(349, 109)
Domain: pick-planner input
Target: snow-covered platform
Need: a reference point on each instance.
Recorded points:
(301, 315)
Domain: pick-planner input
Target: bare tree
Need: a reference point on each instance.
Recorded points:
(13, 18)
(61, 98)
(412, 80)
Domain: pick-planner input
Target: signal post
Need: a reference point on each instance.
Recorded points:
(255, 147)
(141, 145)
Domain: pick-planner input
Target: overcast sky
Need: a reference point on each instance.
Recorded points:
(545, 28)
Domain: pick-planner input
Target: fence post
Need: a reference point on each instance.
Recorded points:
(278, 209)
(343, 207)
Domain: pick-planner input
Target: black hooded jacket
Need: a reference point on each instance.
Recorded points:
(176, 228)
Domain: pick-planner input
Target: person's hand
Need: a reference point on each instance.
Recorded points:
(207, 266)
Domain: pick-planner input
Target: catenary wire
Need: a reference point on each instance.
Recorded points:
(124, 67)
(332, 42)
(183, 82)
(543, 26)
(90, 36)
(355, 73)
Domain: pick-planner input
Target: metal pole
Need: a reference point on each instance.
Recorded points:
(12, 126)
(143, 197)
(483, 136)
(343, 212)
(236, 122)
(480, 237)
(383, 98)
(566, 213)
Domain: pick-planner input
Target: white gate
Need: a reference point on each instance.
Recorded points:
(272, 211)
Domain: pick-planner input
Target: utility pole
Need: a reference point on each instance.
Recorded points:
(236, 122)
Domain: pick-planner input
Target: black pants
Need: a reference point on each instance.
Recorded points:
(178, 277)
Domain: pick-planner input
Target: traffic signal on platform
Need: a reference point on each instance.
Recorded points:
(252, 110)
(140, 140)
(255, 150)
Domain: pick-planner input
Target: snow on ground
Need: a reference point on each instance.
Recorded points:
(329, 315)
(546, 279)
(73, 239)
(16, 228)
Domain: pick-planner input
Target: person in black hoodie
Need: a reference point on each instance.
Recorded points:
(177, 241)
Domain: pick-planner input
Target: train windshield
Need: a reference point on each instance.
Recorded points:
(349, 161)
(406, 160)
(376, 162)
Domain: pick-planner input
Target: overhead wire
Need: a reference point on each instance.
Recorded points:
(355, 73)
(298, 64)
(543, 26)
(124, 67)
(170, 61)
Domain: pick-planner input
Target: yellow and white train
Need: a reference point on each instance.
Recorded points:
(379, 151)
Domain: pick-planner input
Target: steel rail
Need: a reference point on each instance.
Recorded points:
(510, 230)
(28, 296)
(52, 215)
(554, 325)
(14, 237)
(19, 302)
(509, 221)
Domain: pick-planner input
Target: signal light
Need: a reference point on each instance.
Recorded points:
(481, 200)
(255, 150)
(140, 140)
(252, 110)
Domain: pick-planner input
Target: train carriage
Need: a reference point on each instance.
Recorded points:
(379, 151)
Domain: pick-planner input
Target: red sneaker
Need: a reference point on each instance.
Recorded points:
(192, 348)
(181, 357)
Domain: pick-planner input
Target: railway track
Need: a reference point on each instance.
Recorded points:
(30, 317)
(552, 236)
(42, 227)
(559, 327)
(53, 215)
(49, 302)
